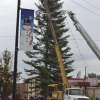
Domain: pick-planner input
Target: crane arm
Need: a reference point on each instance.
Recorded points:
(85, 35)
(57, 48)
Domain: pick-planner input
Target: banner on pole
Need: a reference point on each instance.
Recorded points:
(26, 30)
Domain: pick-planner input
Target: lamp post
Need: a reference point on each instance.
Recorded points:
(16, 53)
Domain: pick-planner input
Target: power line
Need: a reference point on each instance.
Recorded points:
(69, 39)
(85, 8)
(83, 40)
(7, 36)
(91, 5)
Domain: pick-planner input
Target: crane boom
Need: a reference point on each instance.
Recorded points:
(57, 48)
(85, 35)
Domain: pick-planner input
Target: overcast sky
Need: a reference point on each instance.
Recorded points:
(88, 14)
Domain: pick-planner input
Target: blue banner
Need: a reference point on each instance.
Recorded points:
(26, 29)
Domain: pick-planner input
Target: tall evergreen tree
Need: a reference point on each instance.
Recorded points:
(44, 59)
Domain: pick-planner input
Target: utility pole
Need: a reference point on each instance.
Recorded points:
(16, 53)
(85, 73)
(85, 79)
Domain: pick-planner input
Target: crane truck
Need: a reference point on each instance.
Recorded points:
(85, 35)
(66, 93)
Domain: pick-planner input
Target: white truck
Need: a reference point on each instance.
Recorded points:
(75, 94)
(55, 92)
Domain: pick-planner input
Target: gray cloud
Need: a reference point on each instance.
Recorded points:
(90, 21)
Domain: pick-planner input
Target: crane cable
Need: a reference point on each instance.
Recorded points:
(83, 59)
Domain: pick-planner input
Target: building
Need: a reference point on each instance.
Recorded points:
(90, 85)
(22, 89)
(32, 86)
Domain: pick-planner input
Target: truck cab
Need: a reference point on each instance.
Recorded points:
(56, 92)
(75, 94)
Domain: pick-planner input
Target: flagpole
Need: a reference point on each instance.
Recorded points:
(16, 53)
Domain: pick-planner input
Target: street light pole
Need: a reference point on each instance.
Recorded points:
(16, 53)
